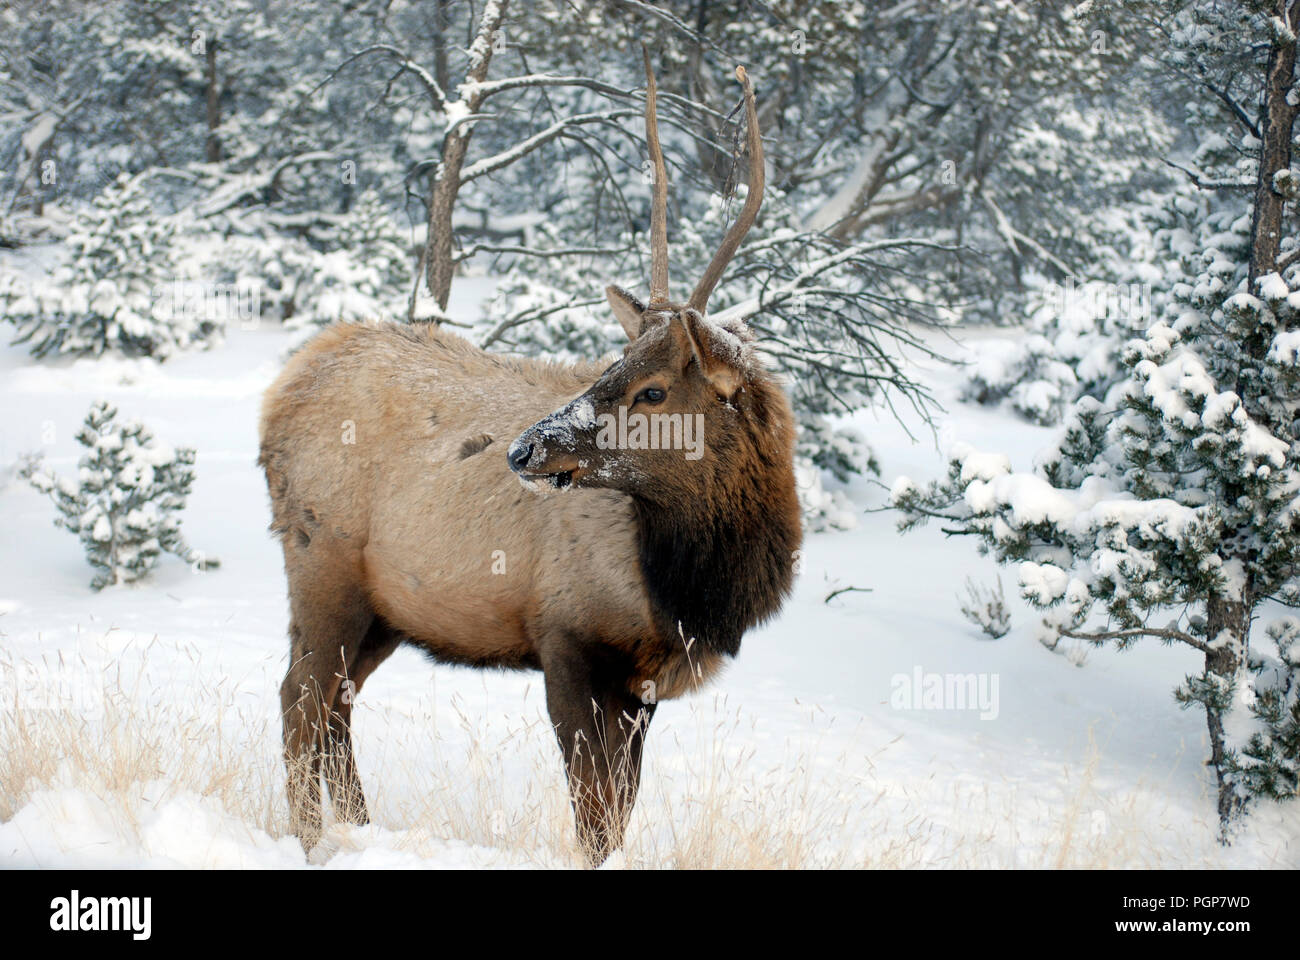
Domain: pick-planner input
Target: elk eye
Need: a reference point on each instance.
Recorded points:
(651, 395)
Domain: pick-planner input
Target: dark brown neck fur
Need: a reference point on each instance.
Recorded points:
(720, 560)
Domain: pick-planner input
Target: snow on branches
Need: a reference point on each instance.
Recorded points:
(1169, 508)
(112, 293)
(125, 504)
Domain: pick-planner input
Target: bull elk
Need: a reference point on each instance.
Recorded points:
(626, 572)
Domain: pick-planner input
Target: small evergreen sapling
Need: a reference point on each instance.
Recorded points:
(125, 506)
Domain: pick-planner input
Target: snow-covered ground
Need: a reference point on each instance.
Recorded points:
(139, 725)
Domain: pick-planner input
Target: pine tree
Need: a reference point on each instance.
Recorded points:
(354, 266)
(1269, 764)
(125, 507)
(1171, 506)
(1075, 329)
(115, 292)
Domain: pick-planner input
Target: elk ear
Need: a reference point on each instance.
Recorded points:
(629, 310)
(718, 352)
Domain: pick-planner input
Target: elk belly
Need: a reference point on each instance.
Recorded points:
(452, 617)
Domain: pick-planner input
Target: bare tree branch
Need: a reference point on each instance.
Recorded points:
(437, 98)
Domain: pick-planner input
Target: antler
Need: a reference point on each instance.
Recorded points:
(700, 298)
(659, 206)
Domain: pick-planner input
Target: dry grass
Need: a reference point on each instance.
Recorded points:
(112, 738)
(708, 799)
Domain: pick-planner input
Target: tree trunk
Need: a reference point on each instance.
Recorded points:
(1275, 153)
(440, 71)
(439, 260)
(439, 263)
(1228, 630)
(213, 148)
(1229, 620)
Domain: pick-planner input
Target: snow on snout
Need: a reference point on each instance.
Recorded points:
(556, 431)
(562, 426)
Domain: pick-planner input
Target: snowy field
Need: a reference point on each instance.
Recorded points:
(139, 725)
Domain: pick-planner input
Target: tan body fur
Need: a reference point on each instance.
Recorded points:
(419, 524)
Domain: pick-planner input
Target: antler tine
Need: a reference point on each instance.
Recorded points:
(659, 206)
(757, 175)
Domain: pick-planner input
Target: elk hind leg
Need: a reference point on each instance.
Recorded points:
(340, 764)
(326, 629)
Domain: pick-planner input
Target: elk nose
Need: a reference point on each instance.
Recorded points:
(518, 454)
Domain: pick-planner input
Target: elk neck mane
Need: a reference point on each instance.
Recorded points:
(718, 558)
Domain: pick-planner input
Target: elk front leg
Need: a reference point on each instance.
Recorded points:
(601, 728)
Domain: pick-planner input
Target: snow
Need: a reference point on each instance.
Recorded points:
(1032, 499)
(1075, 765)
(456, 111)
(1045, 582)
(981, 466)
(1273, 288)
(162, 829)
(582, 414)
(35, 136)
(1285, 348)
(74, 825)
(902, 487)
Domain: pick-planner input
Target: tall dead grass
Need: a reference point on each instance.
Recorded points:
(708, 799)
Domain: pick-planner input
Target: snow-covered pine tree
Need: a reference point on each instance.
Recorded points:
(114, 292)
(364, 272)
(125, 506)
(369, 232)
(1075, 328)
(1269, 763)
(353, 266)
(1172, 506)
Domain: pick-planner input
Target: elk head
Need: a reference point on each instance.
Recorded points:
(684, 384)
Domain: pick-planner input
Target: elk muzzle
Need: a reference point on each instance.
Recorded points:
(548, 451)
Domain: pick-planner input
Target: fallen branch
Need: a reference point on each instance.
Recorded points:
(835, 593)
